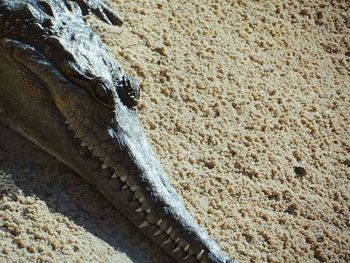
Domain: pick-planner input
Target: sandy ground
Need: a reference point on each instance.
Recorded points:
(246, 103)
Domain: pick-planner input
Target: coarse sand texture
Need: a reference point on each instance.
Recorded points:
(247, 106)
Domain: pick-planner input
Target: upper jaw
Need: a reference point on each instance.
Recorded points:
(144, 193)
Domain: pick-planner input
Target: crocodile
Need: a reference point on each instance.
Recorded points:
(61, 89)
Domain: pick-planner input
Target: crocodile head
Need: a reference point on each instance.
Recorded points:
(96, 100)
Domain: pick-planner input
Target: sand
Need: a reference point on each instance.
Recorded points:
(247, 105)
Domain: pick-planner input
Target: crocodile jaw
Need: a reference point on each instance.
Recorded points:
(136, 182)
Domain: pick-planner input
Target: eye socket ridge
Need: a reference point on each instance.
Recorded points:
(94, 86)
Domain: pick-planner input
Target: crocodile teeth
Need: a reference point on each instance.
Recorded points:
(125, 186)
(133, 188)
(138, 210)
(200, 254)
(186, 257)
(176, 249)
(186, 248)
(114, 176)
(124, 178)
(159, 222)
(177, 240)
(158, 232)
(169, 230)
(166, 241)
(103, 166)
(141, 199)
(83, 144)
(148, 211)
(144, 224)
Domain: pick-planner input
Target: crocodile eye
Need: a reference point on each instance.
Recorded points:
(101, 94)
(129, 91)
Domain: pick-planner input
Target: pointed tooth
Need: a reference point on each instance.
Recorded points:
(186, 257)
(159, 222)
(123, 178)
(138, 210)
(133, 188)
(158, 232)
(69, 128)
(166, 241)
(187, 248)
(176, 249)
(141, 199)
(125, 186)
(144, 224)
(103, 166)
(83, 144)
(66, 122)
(169, 230)
(177, 240)
(148, 211)
(200, 254)
(114, 176)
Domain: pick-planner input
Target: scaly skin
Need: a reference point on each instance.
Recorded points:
(63, 90)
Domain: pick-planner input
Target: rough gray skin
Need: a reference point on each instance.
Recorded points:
(61, 89)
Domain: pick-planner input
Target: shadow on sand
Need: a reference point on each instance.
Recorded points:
(38, 174)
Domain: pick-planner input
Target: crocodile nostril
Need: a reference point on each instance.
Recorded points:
(129, 91)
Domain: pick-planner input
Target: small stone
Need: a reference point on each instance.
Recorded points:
(300, 171)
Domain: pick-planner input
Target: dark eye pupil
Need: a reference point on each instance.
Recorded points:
(102, 96)
(100, 91)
